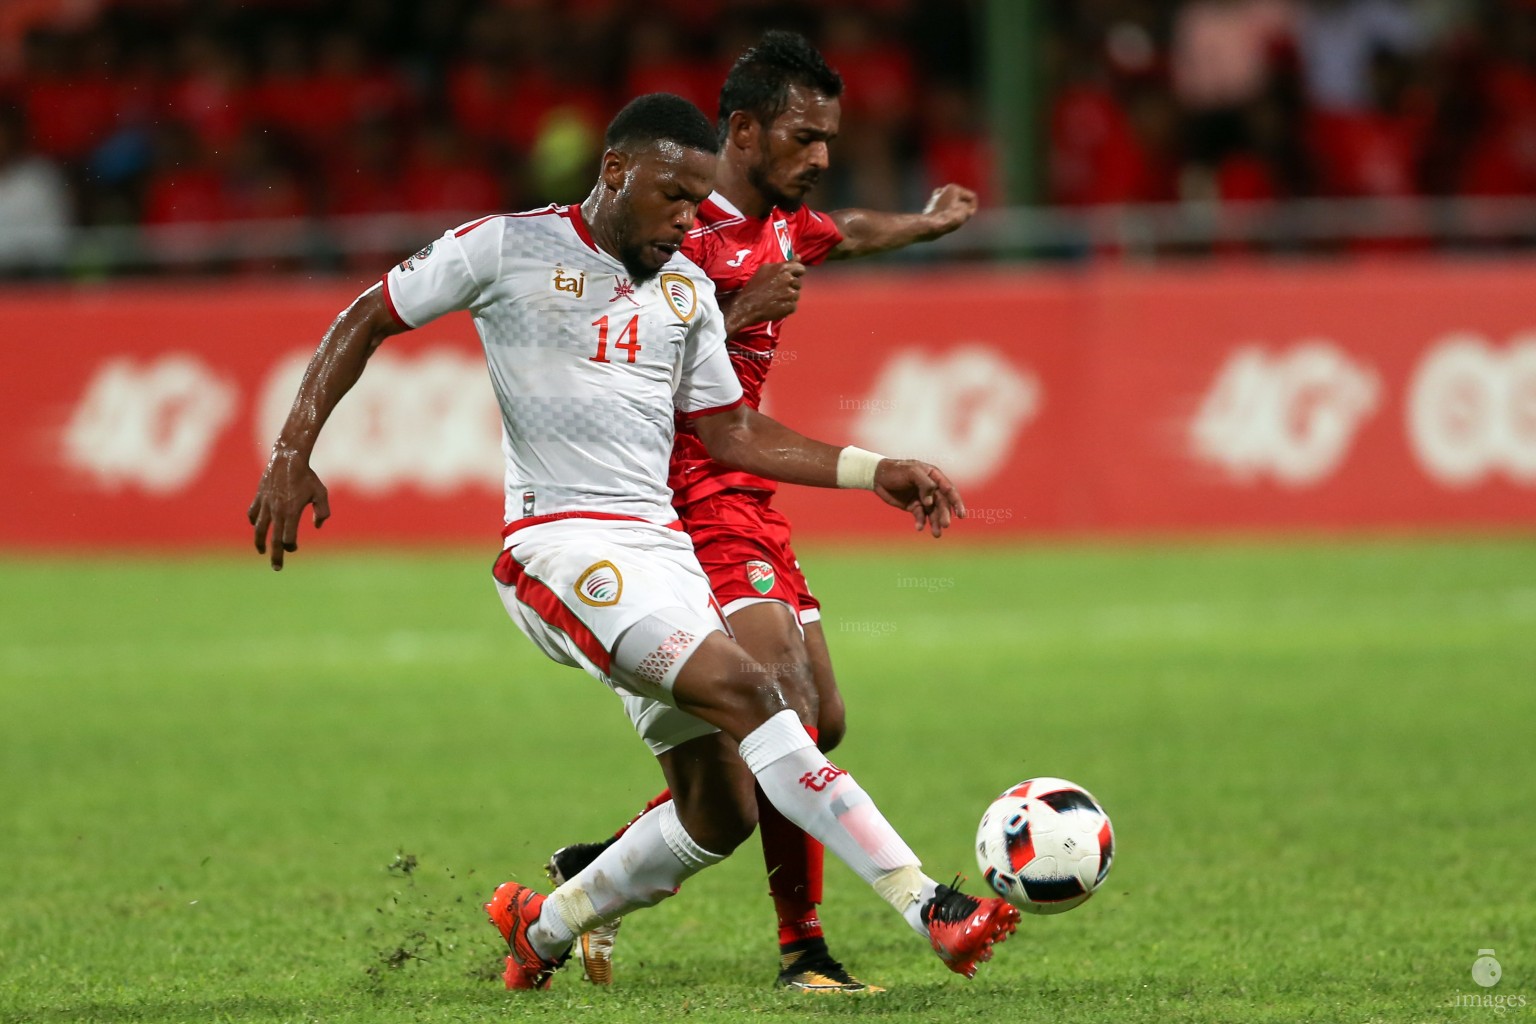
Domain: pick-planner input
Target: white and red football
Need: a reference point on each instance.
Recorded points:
(1045, 845)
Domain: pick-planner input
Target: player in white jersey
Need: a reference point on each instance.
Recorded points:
(595, 332)
(755, 237)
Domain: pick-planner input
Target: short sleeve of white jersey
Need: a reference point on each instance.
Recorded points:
(709, 382)
(448, 275)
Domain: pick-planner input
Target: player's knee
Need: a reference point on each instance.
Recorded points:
(726, 687)
(759, 695)
(787, 663)
(735, 701)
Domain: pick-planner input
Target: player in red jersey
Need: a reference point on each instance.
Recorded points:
(755, 237)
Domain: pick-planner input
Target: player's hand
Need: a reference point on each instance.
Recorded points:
(771, 294)
(286, 487)
(921, 489)
(949, 207)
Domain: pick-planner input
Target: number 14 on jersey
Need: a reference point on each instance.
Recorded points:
(628, 340)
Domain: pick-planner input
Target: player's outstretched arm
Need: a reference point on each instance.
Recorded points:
(866, 232)
(288, 484)
(745, 439)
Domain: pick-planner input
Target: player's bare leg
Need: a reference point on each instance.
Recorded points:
(713, 792)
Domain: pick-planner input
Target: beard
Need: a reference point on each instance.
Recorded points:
(638, 272)
(632, 252)
(757, 177)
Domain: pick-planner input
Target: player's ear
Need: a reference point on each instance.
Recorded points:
(742, 130)
(614, 167)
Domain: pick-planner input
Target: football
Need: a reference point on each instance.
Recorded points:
(1045, 845)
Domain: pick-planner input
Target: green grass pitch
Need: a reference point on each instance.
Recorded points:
(1319, 758)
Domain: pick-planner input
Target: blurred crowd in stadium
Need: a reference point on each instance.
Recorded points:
(1268, 99)
(199, 113)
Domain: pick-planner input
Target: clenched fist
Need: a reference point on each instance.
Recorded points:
(771, 294)
(949, 207)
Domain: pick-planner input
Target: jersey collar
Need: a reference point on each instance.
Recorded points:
(572, 213)
(725, 205)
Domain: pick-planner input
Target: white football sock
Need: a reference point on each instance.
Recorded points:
(643, 867)
(826, 802)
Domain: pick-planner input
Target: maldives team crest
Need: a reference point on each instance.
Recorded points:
(681, 293)
(786, 244)
(601, 585)
(760, 575)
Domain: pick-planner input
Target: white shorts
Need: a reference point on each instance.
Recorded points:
(624, 600)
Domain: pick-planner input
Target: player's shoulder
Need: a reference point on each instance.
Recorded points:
(551, 218)
(804, 215)
(806, 212)
(719, 233)
(716, 216)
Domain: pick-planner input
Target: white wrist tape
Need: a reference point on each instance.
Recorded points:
(856, 468)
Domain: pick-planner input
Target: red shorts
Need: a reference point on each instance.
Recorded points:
(743, 544)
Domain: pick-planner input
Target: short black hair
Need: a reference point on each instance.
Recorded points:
(661, 117)
(761, 78)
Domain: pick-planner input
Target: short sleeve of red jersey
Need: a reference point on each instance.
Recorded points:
(447, 275)
(815, 235)
(708, 381)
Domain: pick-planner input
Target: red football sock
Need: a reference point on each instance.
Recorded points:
(656, 801)
(795, 862)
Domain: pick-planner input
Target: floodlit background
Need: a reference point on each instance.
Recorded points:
(1236, 369)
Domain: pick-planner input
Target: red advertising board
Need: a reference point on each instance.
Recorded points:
(1393, 395)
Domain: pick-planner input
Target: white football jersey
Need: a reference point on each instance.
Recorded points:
(588, 366)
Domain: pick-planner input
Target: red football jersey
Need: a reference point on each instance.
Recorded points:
(730, 246)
